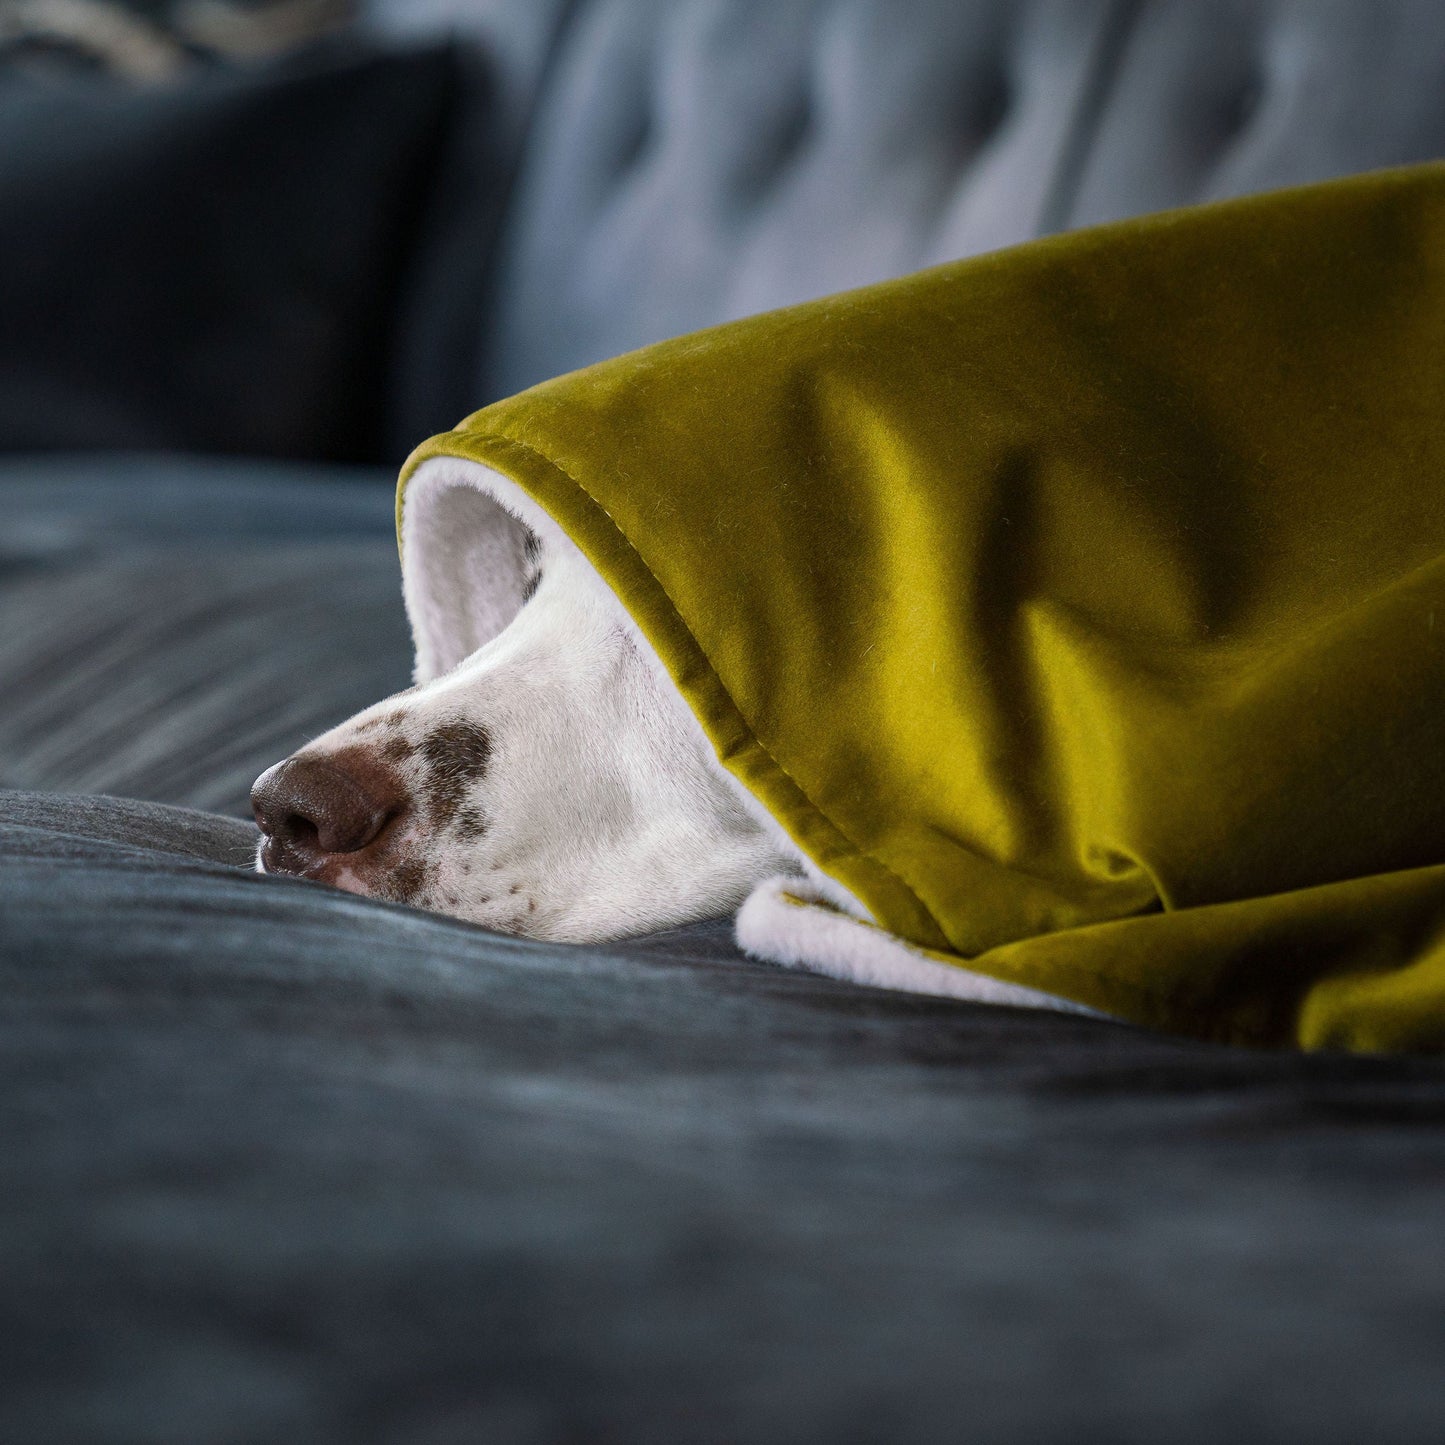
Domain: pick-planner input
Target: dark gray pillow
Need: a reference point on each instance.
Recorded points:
(213, 265)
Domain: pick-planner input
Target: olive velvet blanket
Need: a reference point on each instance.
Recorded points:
(1078, 610)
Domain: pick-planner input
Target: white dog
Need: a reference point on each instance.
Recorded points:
(549, 784)
(545, 777)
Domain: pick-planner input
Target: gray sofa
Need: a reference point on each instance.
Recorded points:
(277, 1163)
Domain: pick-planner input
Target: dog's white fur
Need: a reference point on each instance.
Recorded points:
(602, 810)
(598, 816)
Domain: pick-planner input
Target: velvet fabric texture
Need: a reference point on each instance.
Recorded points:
(1080, 608)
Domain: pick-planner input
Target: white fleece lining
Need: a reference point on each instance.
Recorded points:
(461, 589)
(786, 921)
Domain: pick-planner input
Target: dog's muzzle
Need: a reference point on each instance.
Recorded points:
(312, 809)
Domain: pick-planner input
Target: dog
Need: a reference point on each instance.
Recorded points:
(546, 778)
(551, 784)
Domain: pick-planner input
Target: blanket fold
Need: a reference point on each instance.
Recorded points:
(1078, 609)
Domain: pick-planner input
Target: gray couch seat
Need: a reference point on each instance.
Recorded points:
(284, 1163)
(171, 625)
(281, 1163)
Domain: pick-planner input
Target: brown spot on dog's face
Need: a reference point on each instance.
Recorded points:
(406, 882)
(456, 755)
(471, 824)
(387, 720)
(396, 749)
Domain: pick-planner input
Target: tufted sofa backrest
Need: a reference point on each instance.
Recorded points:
(690, 161)
(1230, 96)
(697, 160)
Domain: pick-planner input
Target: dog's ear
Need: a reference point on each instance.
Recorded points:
(467, 564)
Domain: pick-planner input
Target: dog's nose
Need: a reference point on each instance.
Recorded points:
(309, 807)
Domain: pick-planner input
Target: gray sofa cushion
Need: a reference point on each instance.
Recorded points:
(283, 1164)
(170, 626)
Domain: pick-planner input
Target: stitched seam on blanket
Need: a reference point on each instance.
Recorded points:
(702, 651)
